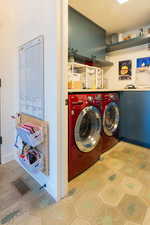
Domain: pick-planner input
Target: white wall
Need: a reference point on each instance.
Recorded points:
(21, 21)
(111, 74)
(8, 74)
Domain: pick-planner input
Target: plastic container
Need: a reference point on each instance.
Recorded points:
(82, 76)
(99, 78)
(76, 76)
(35, 167)
(34, 139)
(90, 77)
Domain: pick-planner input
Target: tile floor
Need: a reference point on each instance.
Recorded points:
(114, 191)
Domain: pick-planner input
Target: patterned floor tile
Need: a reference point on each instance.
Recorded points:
(131, 185)
(130, 223)
(8, 218)
(144, 177)
(116, 154)
(145, 194)
(147, 218)
(61, 213)
(130, 170)
(98, 167)
(95, 184)
(80, 222)
(27, 219)
(114, 177)
(88, 205)
(125, 157)
(115, 164)
(144, 165)
(114, 191)
(93, 180)
(133, 208)
(108, 216)
(21, 205)
(111, 194)
(128, 151)
(142, 155)
(9, 198)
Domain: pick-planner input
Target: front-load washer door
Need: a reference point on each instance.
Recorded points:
(111, 119)
(87, 129)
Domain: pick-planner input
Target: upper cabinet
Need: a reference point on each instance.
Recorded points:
(85, 37)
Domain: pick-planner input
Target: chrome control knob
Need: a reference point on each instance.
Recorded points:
(112, 97)
(90, 99)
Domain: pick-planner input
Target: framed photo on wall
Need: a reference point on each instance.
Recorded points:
(125, 70)
(143, 64)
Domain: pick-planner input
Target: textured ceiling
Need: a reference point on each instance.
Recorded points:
(115, 17)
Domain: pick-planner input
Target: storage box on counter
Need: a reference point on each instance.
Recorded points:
(76, 76)
(99, 78)
(90, 77)
(81, 76)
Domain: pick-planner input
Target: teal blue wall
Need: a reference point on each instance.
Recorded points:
(85, 36)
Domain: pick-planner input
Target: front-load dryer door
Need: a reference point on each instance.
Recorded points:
(87, 129)
(111, 119)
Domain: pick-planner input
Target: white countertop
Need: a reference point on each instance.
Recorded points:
(105, 90)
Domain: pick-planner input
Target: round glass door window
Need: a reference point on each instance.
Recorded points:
(111, 119)
(87, 129)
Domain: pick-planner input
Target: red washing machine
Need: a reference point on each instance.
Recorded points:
(84, 132)
(110, 118)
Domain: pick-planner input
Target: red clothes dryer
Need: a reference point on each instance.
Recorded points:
(110, 120)
(84, 132)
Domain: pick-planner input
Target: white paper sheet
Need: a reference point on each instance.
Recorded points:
(31, 78)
